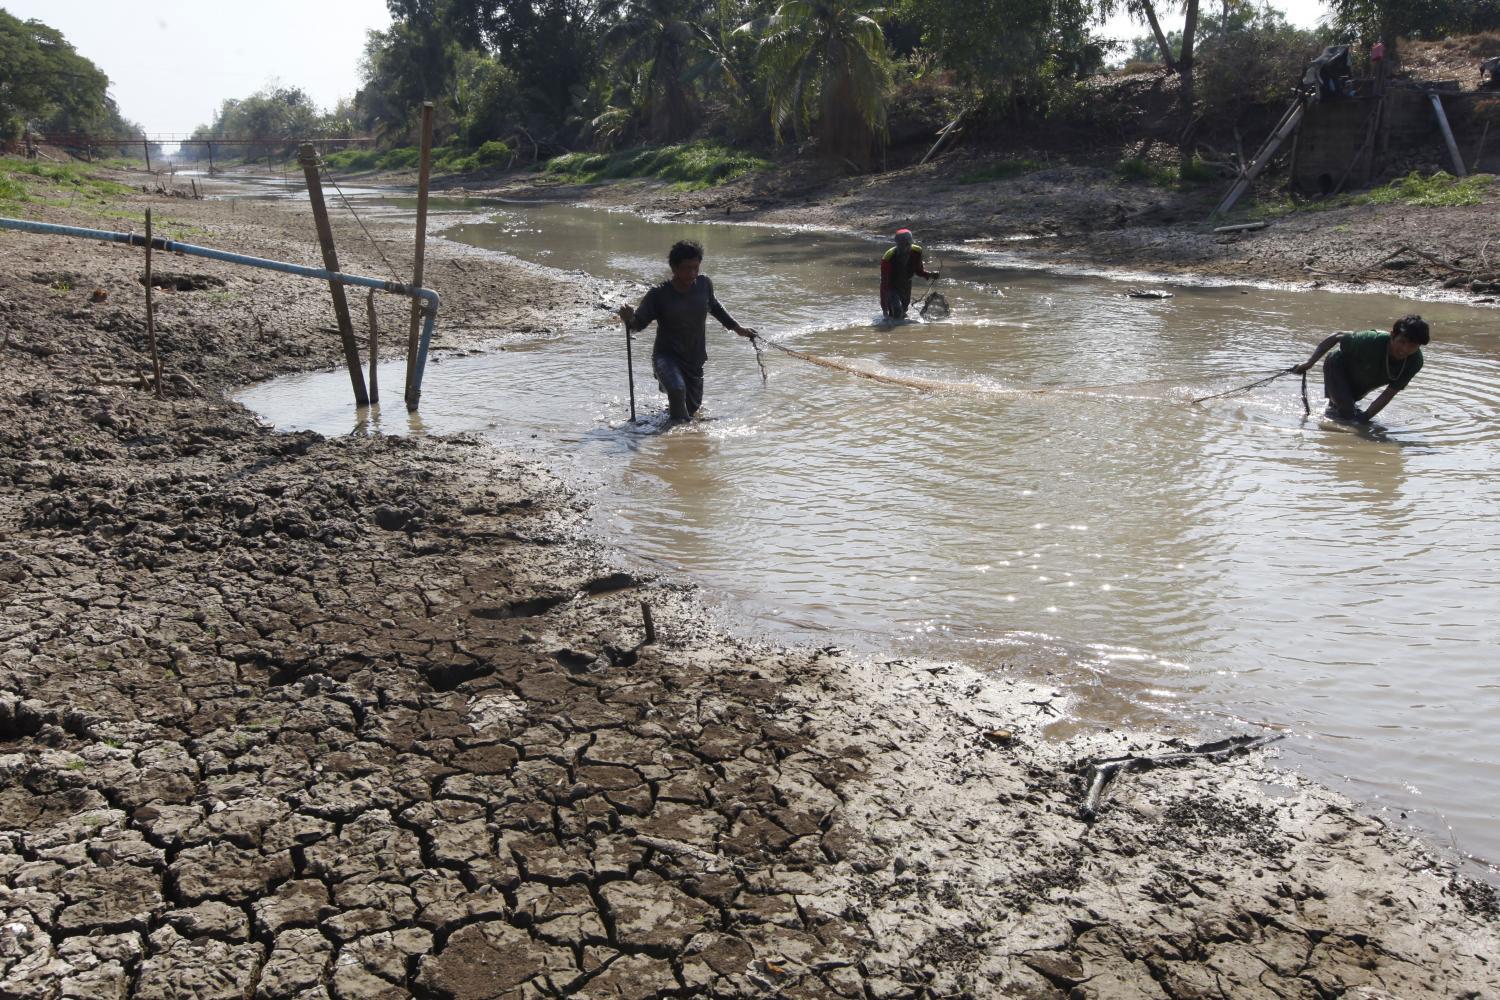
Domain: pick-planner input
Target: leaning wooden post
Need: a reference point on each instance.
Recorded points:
(146, 148)
(150, 316)
(309, 161)
(424, 173)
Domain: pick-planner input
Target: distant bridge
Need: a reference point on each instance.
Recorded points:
(88, 142)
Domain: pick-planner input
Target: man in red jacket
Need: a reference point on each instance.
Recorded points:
(896, 269)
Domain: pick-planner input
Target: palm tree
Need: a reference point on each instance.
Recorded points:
(661, 37)
(829, 55)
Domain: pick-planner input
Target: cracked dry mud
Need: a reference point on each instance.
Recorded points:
(285, 716)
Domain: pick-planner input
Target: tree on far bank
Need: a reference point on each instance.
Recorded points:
(825, 71)
(1013, 54)
(46, 84)
(1368, 20)
(1181, 61)
(661, 39)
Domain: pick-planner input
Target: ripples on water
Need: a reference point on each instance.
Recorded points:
(1225, 563)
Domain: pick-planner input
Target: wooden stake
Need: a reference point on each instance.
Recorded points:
(374, 347)
(210, 159)
(650, 625)
(424, 174)
(309, 161)
(146, 146)
(150, 314)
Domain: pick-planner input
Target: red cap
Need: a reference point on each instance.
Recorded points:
(903, 232)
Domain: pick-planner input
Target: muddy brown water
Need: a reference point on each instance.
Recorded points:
(1062, 508)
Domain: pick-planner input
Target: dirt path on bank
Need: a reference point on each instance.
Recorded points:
(1088, 217)
(286, 716)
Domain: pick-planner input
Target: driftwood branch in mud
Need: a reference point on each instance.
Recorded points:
(681, 851)
(1101, 772)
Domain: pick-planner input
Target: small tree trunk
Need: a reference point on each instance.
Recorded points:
(1185, 71)
(1167, 59)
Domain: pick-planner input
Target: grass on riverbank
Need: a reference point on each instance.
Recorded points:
(445, 159)
(1003, 170)
(1439, 190)
(1139, 171)
(689, 167)
(25, 182)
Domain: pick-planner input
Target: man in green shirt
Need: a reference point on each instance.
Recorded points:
(1365, 361)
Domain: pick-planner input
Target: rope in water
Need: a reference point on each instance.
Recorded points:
(937, 385)
(931, 385)
(1306, 409)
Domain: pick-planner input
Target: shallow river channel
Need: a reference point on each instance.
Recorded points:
(1060, 507)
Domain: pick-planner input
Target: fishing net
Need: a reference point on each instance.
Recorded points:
(1121, 390)
(934, 306)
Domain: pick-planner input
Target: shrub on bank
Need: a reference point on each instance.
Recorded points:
(445, 159)
(690, 166)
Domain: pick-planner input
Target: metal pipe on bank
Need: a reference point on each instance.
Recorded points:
(431, 298)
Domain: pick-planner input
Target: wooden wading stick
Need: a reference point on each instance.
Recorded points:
(424, 173)
(150, 316)
(629, 370)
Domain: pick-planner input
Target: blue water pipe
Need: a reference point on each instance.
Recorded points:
(428, 296)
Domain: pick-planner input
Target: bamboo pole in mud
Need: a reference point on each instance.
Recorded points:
(150, 314)
(374, 347)
(424, 173)
(309, 160)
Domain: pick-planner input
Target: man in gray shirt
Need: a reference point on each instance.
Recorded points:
(679, 307)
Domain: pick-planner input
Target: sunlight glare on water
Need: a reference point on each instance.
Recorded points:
(1061, 506)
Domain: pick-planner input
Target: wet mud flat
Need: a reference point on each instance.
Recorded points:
(287, 716)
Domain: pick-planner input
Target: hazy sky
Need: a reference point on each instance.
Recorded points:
(171, 63)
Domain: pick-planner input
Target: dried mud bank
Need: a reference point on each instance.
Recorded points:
(286, 716)
(1088, 218)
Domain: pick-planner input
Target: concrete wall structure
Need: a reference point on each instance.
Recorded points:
(1340, 142)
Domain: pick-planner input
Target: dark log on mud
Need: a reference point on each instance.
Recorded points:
(1103, 771)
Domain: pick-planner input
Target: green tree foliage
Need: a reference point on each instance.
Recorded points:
(278, 116)
(413, 61)
(552, 47)
(663, 38)
(1368, 20)
(824, 63)
(1256, 57)
(1012, 52)
(46, 84)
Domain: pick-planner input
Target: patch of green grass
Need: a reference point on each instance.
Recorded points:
(1001, 171)
(25, 181)
(1138, 171)
(690, 166)
(1440, 190)
(77, 764)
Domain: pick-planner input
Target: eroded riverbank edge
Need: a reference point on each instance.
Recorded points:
(355, 717)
